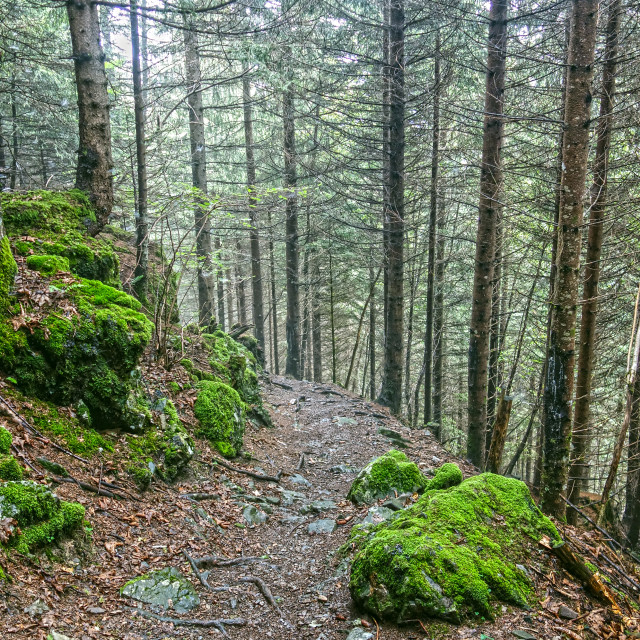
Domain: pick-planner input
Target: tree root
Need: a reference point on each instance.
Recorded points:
(217, 623)
(253, 474)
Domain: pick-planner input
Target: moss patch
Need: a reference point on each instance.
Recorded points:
(390, 473)
(221, 413)
(40, 515)
(59, 220)
(6, 439)
(48, 265)
(10, 468)
(452, 554)
(8, 270)
(448, 475)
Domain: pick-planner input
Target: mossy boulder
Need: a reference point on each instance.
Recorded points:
(48, 265)
(385, 476)
(453, 554)
(85, 349)
(8, 269)
(40, 516)
(55, 223)
(222, 415)
(6, 440)
(448, 475)
(10, 468)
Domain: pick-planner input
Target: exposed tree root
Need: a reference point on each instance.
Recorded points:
(217, 623)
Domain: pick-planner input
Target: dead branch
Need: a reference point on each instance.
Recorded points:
(247, 472)
(288, 387)
(218, 623)
(300, 462)
(196, 497)
(209, 562)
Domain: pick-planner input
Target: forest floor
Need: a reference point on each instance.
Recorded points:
(322, 436)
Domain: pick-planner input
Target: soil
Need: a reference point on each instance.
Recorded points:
(80, 582)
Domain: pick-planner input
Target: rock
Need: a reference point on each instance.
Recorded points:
(376, 515)
(344, 422)
(567, 613)
(54, 635)
(396, 437)
(317, 506)
(37, 608)
(96, 610)
(324, 525)
(386, 476)
(359, 634)
(451, 554)
(296, 478)
(342, 468)
(448, 475)
(253, 515)
(289, 497)
(523, 635)
(166, 588)
(394, 503)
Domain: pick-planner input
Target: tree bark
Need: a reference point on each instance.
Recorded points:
(14, 134)
(334, 376)
(490, 186)
(438, 330)
(372, 336)
(292, 367)
(316, 317)
(142, 219)
(561, 355)
(95, 167)
(220, 283)
(581, 428)
(494, 458)
(431, 260)
(391, 389)
(274, 305)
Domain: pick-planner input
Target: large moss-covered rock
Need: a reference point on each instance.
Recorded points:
(84, 348)
(221, 413)
(452, 554)
(40, 516)
(55, 223)
(385, 476)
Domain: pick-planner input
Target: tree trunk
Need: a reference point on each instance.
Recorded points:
(561, 354)
(499, 431)
(94, 174)
(229, 303)
(274, 306)
(431, 261)
(220, 283)
(438, 331)
(581, 428)
(142, 219)
(391, 390)
(14, 134)
(372, 336)
(490, 186)
(292, 367)
(316, 330)
(334, 376)
(254, 237)
(3, 159)
(241, 298)
(386, 171)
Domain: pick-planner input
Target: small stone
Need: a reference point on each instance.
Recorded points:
(324, 525)
(359, 634)
(37, 608)
(253, 515)
(342, 468)
(376, 515)
(166, 588)
(567, 613)
(322, 598)
(318, 506)
(298, 479)
(395, 504)
(436, 460)
(523, 635)
(96, 610)
(345, 422)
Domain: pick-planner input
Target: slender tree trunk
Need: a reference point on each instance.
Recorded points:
(306, 320)
(431, 261)
(391, 390)
(316, 331)
(14, 135)
(490, 186)
(372, 336)
(206, 281)
(581, 428)
(3, 159)
(438, 330)
(334, 376)
(386, 170)
(220, 283)
(561, 355)
(241, 296)
(94, 174)
(254, 237)
(292, 249)
(229, 302)
(274, 306)
(142, 217)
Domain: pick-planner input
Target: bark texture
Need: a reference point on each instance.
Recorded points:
(94, 174)
(490, 186)
(561, 354)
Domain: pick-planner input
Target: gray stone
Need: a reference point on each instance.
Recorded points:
(395, 504)
(396, 437)
(376, 515)
(166, 588)
(289, 497)
(567, 613)
(298, 479)
(37, 608)
(324, 525)
(523, 635)
(317, 506)
(345, 422)
(342, 468)
(253, 515)
(359, 634)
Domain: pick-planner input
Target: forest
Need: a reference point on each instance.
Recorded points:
(427, 206)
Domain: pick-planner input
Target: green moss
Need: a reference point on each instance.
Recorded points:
(10, 468)
(448, 475)
(450, 555)
(390, 473)
(48, 265)
(52, 467)
(8, 270)
(174, 387)
(6, 440)
(221, 413)
(59, 221)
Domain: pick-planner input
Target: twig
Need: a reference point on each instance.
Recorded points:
(218, 623)
(300, 462)
(253, 474)
(377, 629)
(33, 430)
(88, 487)
(24, 458)
(213, 561)
(262, 587)
(572, 634)
(199, 496)
(203, 580)
(288, 387)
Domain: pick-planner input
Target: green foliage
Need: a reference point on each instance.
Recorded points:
(6, 439)
(382, 477)
(48, 265)
(10, 468)
(221, 413)
(451, 554)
